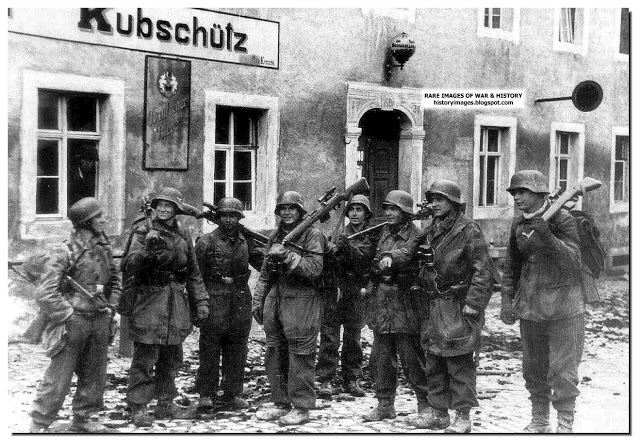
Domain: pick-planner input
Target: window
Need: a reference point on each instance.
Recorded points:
(623, 41)
(236, 144)
(68, 132)
(619, 186)
(63, 116)
(493, 165)
(490, 154)
(501, 23)
(566, 156)
(241, 153)
(571, 29)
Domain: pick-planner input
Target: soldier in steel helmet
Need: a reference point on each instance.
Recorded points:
(287, 301)
(392, 311)
(352, 262)
(456, 275)
(169, 287)
(541, 286)
(76, 337)
(82, 174)
(224, 256)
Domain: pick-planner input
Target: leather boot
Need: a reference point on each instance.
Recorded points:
(37, 427)
(353, 388)
(171, 410)
(205, 404)
(294, 417)
(565, 422)
(140, 416)
(423, 405)
(233, 402)
(87, 425)
(431, 418)
(539, 418)
(461, 424)
(384, 410)
(272, 412)
(326, 390)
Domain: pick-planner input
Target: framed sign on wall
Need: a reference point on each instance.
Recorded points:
(167, 105)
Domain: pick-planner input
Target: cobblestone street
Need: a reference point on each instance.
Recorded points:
(603, 406)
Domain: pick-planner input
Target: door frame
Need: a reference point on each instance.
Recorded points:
(363, 97)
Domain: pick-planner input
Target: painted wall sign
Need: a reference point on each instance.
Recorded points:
(194, 33)
(167, 98)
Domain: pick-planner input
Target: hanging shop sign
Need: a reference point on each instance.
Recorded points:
(193, 33)
(167, 97)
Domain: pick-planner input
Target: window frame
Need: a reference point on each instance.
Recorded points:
(112, 168)
(499, 33)
(617, 206)
(265, 163)
(619, 56)
(576, 159)
(573, 48)
(63, 135)
(504, 204)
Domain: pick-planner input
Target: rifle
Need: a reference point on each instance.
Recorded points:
(424, 212)
(564, 199)
(328, 201)
(210, 215)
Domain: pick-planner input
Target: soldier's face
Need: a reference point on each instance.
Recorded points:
(228, 221)
(441, 206)
(526, 200)
(289, 214)
(98, 222)
(166, 210)
(357, 214)
(394, 215)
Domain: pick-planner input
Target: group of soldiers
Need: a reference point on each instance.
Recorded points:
(422, 293)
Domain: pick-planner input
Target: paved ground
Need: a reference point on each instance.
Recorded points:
(603, 406)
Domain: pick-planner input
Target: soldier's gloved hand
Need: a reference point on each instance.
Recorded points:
(507, 314)
(342, 241)
(258, 314)
(278, 252)
(385, 262)
(152, 240)
(202, 312)
(541, 227)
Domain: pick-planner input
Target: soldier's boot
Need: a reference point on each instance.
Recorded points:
(423, 405)
(384, 410)
(565, 421)
(232, 402)
(431, 418)
(294, 417)
(461, 424)
(326, 390)
(353, 388)
(140, 416)
(171, 410)
(539, 418)
(273, 412)
(37, 427)
(87, 425)
(205, 404)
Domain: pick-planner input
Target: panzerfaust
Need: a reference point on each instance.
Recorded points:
(586, 96)
(587, 184)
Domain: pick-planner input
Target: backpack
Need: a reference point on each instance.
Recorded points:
(591, 248)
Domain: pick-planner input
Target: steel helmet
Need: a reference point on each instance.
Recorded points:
(230, 205)
(401, 199)
(290, 198)
(362, 200)
(447, 188)
(531, 180)
(83, 210)
(169, 194)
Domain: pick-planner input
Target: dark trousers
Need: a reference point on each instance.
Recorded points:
(551, 353)
(84, 354)
(386, 348)
(290, 376)
(451, 382)
(153, 372)
(346, 313)
(233, 349)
